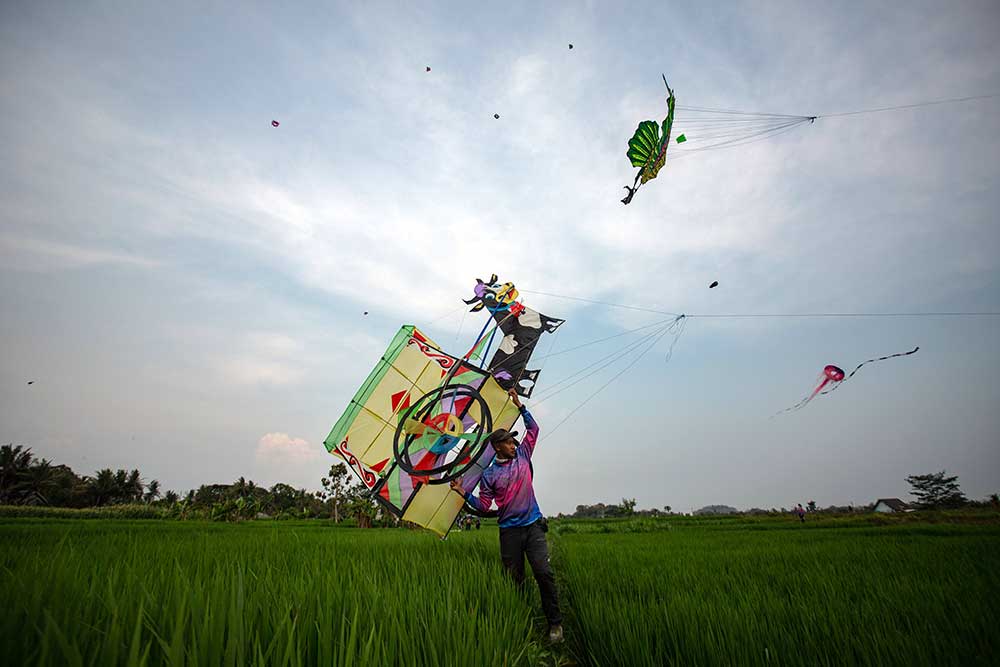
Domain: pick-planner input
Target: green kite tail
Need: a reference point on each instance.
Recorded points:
(647, 149)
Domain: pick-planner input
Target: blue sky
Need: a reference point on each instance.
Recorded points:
(185, 284)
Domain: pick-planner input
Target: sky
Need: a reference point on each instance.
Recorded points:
(185, 285)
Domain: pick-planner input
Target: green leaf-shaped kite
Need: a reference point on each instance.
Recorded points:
(647, 149)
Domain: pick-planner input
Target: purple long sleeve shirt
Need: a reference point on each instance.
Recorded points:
(509, 483)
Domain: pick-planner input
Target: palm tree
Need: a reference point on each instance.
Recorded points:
(104, 487)
(133, 487)
(38, 482)
(14, 464)
(121, 486)
(152, 491)
(170, 497)
(239, 488)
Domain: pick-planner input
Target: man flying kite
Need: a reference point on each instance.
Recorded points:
(508, 482)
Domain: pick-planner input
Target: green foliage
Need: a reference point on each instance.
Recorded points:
(26, 480)
(844, 589)
(335, 487)
(15, 461)
(289, 593)
(108, 512)
(936, 490)
(901, 594)
(605, 526)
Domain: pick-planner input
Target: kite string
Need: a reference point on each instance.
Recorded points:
(544, 358)
(897, 107)
(606, 338)
(910, 106)
(614, 377)
(589, 343)
(743, 140)
(601, 303)
(745, 127)
(680, 330)
(602, 363)
(441, 317)
(465, 313)
(754, 315)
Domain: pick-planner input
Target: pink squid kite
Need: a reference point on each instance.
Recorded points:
(828, 380)
(833, 376)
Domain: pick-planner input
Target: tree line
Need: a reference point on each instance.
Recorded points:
(26, 479)
(932, 491)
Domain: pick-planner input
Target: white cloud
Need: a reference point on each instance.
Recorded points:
(32, 254)
(279, 457)
(281, 447)
(251, 372)
(255, 357)
(388, 189)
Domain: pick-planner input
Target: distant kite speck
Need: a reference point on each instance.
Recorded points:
(715, 283)
(275, 123)
(497, 116)
(366, 312)
(31, 382)
(428, 69)
(571, 46)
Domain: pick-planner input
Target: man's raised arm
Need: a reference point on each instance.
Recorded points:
(530, 425)
(530, 431)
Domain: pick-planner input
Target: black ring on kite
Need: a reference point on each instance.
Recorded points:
(425, 404)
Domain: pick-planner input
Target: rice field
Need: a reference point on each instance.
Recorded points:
(903, 595)
(112, 592)
(179, 593)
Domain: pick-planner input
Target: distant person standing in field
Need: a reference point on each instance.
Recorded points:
(508, 482)
(801, 512)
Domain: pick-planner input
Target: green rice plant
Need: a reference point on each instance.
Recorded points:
(604, 526)
(920, 595)
(269, 593)
(106, 512)
(645, 592)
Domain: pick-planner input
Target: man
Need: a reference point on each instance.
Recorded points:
(508, 482)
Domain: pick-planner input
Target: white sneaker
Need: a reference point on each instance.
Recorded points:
(555, 634)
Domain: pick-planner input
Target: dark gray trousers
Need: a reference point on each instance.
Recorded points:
(515, 544)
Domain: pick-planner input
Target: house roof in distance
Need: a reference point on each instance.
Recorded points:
(894, 503)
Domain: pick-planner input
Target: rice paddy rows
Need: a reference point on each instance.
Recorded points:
(108, 592)
(817, 596)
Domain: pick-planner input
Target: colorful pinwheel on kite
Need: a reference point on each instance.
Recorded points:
(833, 377)
(423, 416)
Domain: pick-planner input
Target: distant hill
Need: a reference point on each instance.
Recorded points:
(717, 509)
